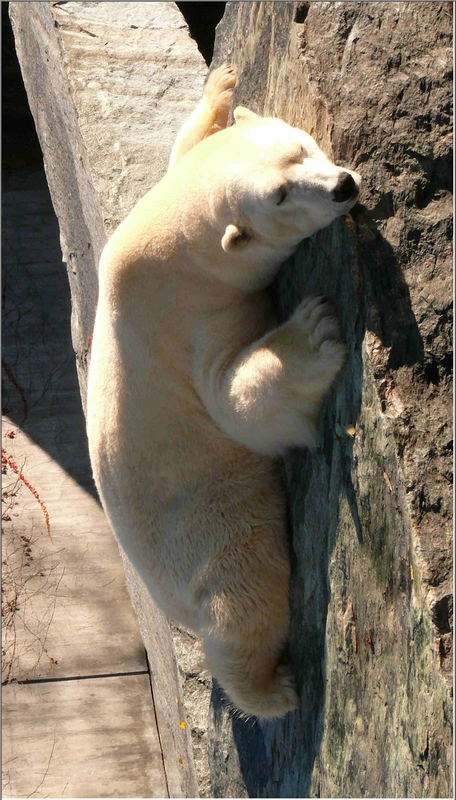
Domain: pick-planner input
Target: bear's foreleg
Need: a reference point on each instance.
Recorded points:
(269, 397)
(211, 113)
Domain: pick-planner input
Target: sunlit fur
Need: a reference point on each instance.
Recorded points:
(194, 390)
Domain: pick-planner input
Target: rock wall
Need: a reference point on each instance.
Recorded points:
(370, 512)
(108, 85)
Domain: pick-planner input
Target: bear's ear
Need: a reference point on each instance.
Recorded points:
(234, 238)
(241, 112)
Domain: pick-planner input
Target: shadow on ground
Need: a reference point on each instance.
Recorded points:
(40, 385)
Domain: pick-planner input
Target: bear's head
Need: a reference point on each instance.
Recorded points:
(274, 187)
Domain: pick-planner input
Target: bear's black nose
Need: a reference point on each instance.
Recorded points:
(345, 188)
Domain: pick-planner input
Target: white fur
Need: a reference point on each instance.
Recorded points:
(193, 390)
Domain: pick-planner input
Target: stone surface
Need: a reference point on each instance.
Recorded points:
(78, 714)
(181, 763)
(119, 79)
(370, 513)
(74, 617)
(370, 510)
(82, 738)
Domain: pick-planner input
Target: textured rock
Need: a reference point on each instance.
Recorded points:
(109, 86)
(369, 512)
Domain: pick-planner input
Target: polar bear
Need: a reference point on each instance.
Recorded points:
(194, 391)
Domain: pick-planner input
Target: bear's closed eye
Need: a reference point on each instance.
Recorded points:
(282, 195)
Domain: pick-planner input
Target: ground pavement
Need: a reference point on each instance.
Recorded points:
(78, 713)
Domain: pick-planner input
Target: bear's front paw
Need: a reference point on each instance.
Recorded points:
(323, 353)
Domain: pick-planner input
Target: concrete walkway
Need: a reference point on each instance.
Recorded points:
(78, 713)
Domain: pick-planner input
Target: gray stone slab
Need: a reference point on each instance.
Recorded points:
(135, 75)
(81, 738)
(186, 771)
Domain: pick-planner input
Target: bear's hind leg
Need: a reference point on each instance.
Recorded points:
(251, 675)
(244, 609)
(211, 113)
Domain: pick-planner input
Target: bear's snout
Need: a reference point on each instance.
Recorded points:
(345, 189)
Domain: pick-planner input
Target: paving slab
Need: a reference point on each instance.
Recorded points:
(82, 738)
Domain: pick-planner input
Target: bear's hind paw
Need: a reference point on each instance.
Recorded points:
(218, 94)
(274, 701)
(222, 79)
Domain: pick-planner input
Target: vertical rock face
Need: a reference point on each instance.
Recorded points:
(109, 84)
(370, 511)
